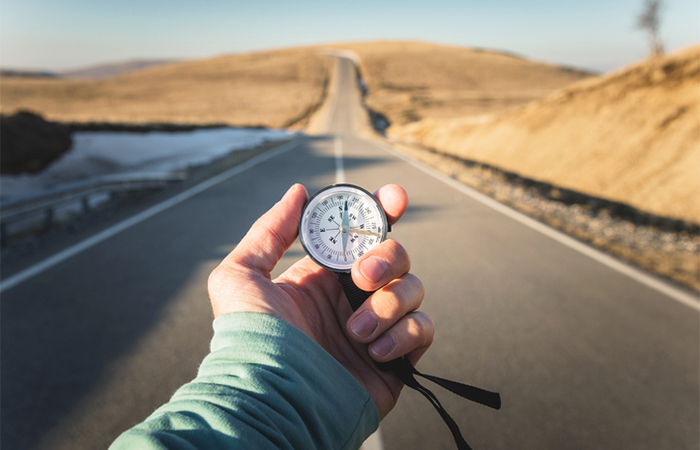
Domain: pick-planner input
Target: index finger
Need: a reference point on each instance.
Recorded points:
(394, 200)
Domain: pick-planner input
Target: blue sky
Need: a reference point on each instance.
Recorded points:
(594, 34)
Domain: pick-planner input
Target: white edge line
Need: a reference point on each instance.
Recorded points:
(625, 269)
(339, 169)
(63, 255)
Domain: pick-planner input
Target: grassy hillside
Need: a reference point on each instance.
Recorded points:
(632, 136)
(410, 81)
(274, 89)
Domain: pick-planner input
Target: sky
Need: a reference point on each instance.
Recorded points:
(599, 35)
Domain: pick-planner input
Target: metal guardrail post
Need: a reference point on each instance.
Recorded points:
(76, 192)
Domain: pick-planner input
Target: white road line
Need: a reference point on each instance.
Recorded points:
(339, 169)
(374, 441)
(690, 300)
(140, 217)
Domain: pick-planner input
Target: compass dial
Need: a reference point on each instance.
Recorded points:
(341, 223)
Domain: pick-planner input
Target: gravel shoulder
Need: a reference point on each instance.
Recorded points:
(666, 248)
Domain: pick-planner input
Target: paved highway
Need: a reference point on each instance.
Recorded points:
(585, 357)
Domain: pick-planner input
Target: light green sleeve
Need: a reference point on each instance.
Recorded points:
(265, 385)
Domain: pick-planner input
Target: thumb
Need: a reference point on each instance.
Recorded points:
(271, 235)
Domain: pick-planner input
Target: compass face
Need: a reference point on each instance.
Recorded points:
(340, 224)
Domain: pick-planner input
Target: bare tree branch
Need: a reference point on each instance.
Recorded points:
(649, 20)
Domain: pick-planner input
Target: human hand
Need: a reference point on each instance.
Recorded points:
(385, 327)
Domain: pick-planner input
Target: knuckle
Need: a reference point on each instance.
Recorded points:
(416, 284)
(398, 249)
(410, 290)
(400, 297)
(392, 247)
(424, 326)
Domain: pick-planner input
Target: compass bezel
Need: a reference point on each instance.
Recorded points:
(352, 189)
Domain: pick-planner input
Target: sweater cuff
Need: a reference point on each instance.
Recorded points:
(277, 363)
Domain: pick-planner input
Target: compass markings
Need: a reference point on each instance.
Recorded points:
(342, 214)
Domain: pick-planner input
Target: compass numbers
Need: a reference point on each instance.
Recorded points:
(340, 224)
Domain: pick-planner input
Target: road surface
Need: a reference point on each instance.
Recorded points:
(584, 357)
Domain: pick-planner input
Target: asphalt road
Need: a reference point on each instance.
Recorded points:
(583, 356)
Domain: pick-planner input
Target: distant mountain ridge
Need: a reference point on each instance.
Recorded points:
(274, 89)
(114, 69)
(90, 72)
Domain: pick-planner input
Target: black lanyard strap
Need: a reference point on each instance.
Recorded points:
(406, 373)
(452, 425)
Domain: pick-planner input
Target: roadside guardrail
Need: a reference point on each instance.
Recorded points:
(48, 201)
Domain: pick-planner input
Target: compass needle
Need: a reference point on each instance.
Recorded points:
(362, 225)
(364, 232)
(346, 226)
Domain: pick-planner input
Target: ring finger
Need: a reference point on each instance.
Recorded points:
(412, 336)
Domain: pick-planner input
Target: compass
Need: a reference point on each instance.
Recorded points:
(339, 224)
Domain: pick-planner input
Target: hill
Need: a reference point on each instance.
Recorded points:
(408, 81)
(631, 136)
(411, 81)
(113, 69)
(273, 89)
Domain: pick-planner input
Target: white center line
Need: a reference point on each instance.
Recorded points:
(339, 169)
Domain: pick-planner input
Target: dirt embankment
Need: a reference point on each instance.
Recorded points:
(631, 137)
(272, 89)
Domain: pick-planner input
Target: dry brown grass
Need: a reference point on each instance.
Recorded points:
(410, 81)
(632, 136)
(274, 89)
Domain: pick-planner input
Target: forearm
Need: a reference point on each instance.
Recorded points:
(265, 384)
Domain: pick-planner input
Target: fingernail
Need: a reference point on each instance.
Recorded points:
(384, 345)
(364, 324)
(291, 189)
(374, 268)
